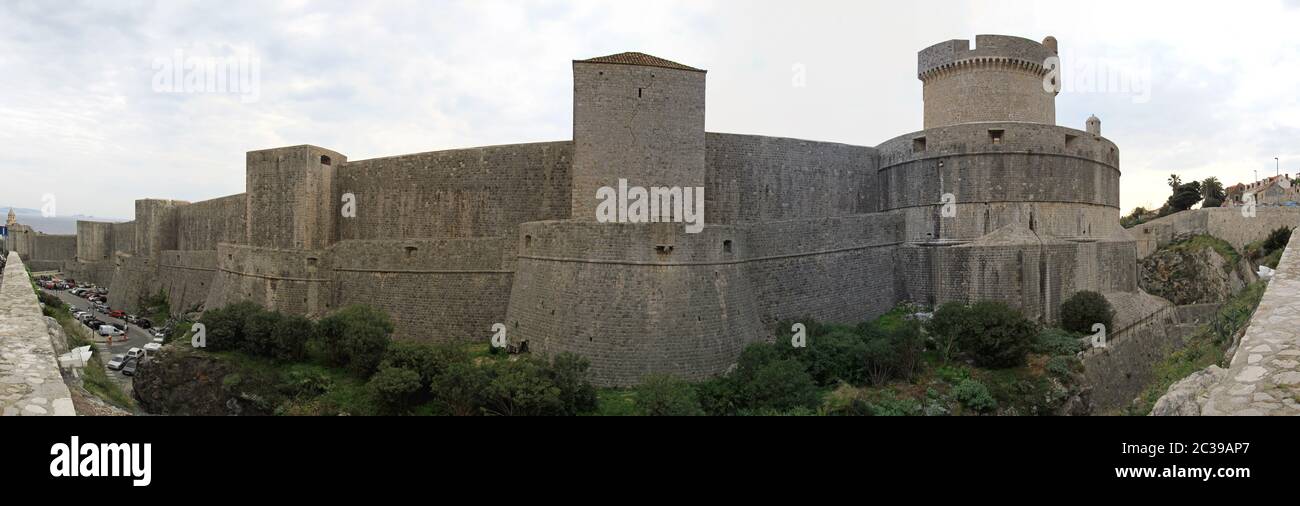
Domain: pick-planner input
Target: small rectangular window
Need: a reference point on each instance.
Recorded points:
(995, 136)
(918, 144)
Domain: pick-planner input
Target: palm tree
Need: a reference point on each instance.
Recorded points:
(1175, 181)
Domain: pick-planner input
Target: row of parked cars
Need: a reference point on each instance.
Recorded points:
(98, 299)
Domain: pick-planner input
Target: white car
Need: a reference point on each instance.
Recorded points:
(109, 330)
(117, 362)
(152, 347)
(134, 354)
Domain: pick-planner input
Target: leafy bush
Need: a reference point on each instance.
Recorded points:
(569, 373)
(428, 360)
(529, 386)
(946, 327)
(834, 357)
(1277, 239)
(260, 333)
(780, 384)
(395, 388)
(974, 396)
(665, 395)
(847, 401)
(521, 388)
(460, 389)
(1054, 341)
(991, 333)
(1085, 309)
(291, 335)
(225, 326)
(356, 337)
(1063, 367)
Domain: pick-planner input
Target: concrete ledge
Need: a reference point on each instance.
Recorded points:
(30, 382)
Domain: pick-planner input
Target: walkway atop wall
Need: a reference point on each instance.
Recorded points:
(1263, 378)
(30, 383)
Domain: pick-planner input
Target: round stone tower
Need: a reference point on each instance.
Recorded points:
(1001, 79)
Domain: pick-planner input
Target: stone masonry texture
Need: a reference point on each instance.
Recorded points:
(992, 200)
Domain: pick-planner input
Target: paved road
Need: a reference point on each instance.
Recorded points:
(136, 337)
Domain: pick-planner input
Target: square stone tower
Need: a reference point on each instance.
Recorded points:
(635, 117)
(291, 198)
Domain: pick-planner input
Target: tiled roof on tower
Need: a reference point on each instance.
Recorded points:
(645, 60)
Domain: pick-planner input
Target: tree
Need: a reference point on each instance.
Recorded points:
(665, 395)
(1185, 196)
(1085, 309)
(396, 388)
(356, 337)
(225, 325)
(992, 333)
(291, 337)
(1213, 192)
(427, 360)
(260, 333)
(459, 389)
(1175, 181)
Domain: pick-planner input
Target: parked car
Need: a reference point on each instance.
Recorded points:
(152, 348)
(117, 362)
(117, 313)
(143, 323)
(129, 368)
(109, 330)
(135, 353)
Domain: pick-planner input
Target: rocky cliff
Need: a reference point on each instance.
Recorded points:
(181, 381)
(1195, 270)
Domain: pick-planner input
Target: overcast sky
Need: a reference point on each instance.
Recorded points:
(1195, 88)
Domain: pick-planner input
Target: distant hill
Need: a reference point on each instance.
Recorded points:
(58, 225)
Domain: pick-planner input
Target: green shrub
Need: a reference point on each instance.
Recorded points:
(946, 327)
(1084, 309)
(1054, 341)
(974, 396)
(395, 388)
(993, 334)
(356, 337)
(665, 395)
(780, 384)
(880, 358)
(521, 388)
(225, 326)
(834, 357)
(459, 390)
(1063, 367)
(260, 333)
(569, 373)
(718, 396)
(766, 379)
(847, 401)
(1277, 239)
(429, 360)
(290, 338)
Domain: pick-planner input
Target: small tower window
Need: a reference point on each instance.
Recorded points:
(528, 241)
(324, 160)
(726, 246)
(410, 250)
(995, 136)
(638, 92)
(918, 144)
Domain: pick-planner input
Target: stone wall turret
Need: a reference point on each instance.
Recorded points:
(1001, 79)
